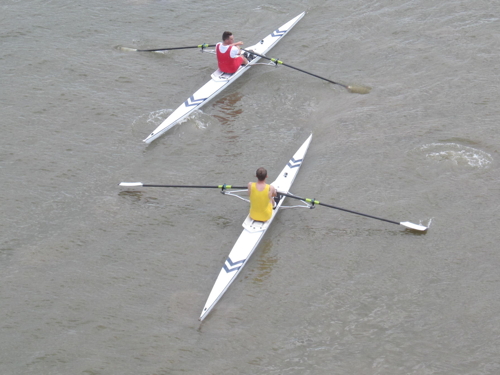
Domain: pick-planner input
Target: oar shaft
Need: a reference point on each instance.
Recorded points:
(358, 213)
(199, 186)
(276, 61)
(309, 200)
(315, 75)
(223, 186)
(172, 48)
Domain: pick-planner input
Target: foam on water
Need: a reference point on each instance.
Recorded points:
(458, 154)
(152, 119)
(149, 121)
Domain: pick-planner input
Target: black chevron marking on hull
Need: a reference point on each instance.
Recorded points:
(191, 102)
(278, 33)
(294, 163)
(233, 268)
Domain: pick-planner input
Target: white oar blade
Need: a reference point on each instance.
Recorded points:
(127, 49)
(407, 224)
(131, 184)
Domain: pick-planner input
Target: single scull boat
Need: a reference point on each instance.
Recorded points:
(220, 81)
(253, 232)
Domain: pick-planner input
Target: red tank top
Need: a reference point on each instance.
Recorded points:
(226, 63)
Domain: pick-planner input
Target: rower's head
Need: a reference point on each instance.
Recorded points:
(261, 174)
(227, 37)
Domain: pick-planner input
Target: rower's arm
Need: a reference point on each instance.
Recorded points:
(272, 191)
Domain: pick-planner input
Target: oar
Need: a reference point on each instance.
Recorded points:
(351, 88)
(406, 224)
(140, 184)
(165, 49)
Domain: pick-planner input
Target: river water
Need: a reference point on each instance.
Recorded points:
(98, 279)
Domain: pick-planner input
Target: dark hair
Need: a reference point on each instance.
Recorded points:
(226, 35)
(261, 174)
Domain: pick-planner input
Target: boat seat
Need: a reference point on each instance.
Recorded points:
(254, 225)
(219, 75)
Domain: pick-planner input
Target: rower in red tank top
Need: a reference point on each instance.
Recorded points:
(228, 54)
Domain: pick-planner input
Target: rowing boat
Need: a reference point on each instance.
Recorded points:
(253, 232)
(220, 81)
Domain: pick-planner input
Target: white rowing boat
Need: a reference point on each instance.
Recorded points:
(253, 232)
(220, 81)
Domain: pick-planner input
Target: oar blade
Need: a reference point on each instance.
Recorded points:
(127, 49)
(358, 89)
(131, 184)
(413, 226)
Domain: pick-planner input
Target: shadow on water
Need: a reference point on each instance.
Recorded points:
(138, 197)
(266, 262)
(227, 108)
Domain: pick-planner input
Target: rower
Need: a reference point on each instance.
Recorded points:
(261, 197)
(229, 55)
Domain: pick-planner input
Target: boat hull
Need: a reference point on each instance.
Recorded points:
(253, 232)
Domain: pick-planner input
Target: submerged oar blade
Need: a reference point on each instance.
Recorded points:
(407, 224)
(358, 89)
(131, 184)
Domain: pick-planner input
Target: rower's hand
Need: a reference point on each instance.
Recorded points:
(238, 44)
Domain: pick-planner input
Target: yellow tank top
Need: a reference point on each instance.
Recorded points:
(261, 208)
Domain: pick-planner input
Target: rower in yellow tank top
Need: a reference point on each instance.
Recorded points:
(261, 197)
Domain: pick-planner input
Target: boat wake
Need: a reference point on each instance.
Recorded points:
(155, 118)
(152, 118)
(201, 119)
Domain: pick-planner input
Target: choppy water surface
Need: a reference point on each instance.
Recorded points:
(98, 279)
